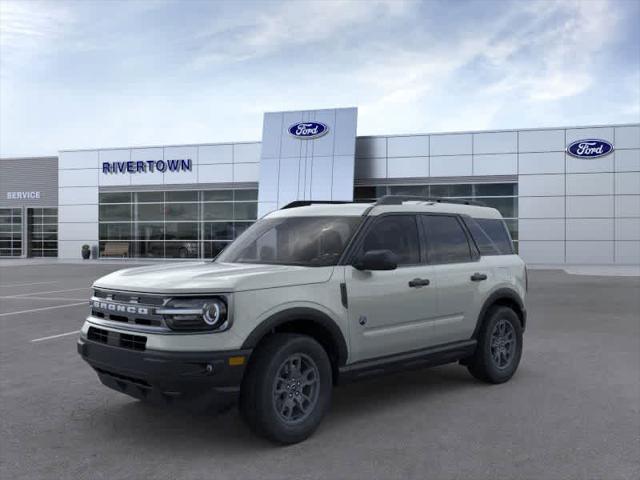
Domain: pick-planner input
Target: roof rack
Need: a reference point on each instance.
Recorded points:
(306, 203)
(400, 199)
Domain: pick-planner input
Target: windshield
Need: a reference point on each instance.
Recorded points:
(306, 241)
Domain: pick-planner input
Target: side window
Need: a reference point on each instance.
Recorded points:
(491, 236)
(398, 233)
(446, 240)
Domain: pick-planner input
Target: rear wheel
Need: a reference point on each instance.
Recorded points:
(499, 346)
(287, 388)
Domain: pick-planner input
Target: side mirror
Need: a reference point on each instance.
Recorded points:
(377, 260)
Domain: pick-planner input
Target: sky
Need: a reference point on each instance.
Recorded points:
(85, 74)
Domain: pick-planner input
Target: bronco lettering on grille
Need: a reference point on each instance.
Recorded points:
(117, 307)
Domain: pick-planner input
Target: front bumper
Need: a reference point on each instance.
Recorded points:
(194, 379)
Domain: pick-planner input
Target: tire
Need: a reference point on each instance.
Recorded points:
(497, 364)
(274, 400)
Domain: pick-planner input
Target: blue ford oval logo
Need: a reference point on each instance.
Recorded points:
(590, 148)
(308, 130)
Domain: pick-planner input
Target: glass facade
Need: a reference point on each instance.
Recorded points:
(502, 196)
(10, 232)
(173, 224)
(42, 228)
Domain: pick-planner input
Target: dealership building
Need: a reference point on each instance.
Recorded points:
(569, 195)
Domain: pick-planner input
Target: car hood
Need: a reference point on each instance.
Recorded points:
(205, 277)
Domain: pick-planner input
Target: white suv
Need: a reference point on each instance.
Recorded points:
(312, 296)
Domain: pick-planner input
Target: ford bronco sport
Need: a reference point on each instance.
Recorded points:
(309, 297)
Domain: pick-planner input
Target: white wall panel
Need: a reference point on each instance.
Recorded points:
(590, 206)
(404, 167)
(291, 146)
(272, 134)
(627, 205)
(589, 252)
(246, 153)
(371, 168)
(321, 177)
(346, 125)
(541, 229)
(215, 173)
(80, 159)
(371, 147)
(627, 160)
(628, 183)
(268, 179)
(601, 133)
(496, 142)
(545, 162)
(116, 178)
(589, 229)
(541, 141)
(541, 207)
(586, 165)
(342, 175)
(71, 249)
(628, 137)
(452, 144)
(143, 155)
(78, 195)
(77, 178)
(180, 176)
(590, 184)
(215, 154)
(541, 252)
(246, 172)
(323, 146)
(627, 253)
(410, 146)
(77, 213)
(540, 185)
(500, 164)
(451, 166)
(627, 228)
(77, 231)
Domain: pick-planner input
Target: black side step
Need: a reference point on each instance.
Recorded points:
(428, 357)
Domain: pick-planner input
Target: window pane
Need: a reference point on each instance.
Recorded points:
(50, 211)
(446, 240)
(398, 233)
(148, 249)
(181, 249)
(150, 197)
(181, 211)
(415, 190)
(369, 193)
(212, 249)
(240, 228)
(218, 231)
(243, 195)
(217, 195)
(115, 231)
(117, 197)
(217, 211)
(181, 231)
(496, 230)
(115, 213)
(150, 231)
(146, 212)
(246, 211)
(496, 189)
(181, 196)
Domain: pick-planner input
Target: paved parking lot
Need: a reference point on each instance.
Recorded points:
(572, 410)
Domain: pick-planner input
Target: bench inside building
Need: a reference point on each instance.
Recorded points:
(116, 250)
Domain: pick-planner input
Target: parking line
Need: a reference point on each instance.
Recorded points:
(10, 297)
(43, 308)
(26, 284)
(52, 291)
(55, 336)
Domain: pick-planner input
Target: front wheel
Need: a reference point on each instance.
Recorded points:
(499, 346)
(287, 388)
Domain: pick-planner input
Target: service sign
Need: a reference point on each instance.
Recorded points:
(308, 130)
(589, 148)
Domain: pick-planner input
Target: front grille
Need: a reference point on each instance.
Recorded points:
(123, 340)
(131, 308)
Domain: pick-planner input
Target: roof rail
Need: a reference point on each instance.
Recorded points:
(400, 199)
(306, 203)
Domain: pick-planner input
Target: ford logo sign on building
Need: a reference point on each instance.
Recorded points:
(308, 130)
(590, 148)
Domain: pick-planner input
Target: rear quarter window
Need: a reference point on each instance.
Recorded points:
(491, 235)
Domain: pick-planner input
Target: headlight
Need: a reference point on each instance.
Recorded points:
(194, 314)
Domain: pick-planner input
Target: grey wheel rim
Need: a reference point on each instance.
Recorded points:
(296, 388)
(503, 344)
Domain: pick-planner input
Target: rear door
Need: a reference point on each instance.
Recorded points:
(459, 273)
(390, 311)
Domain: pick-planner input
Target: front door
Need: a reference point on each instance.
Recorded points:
(389, 312)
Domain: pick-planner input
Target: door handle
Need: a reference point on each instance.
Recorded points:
(478, 277)
(418, 282)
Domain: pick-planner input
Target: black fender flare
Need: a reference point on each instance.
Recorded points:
(497, 296)
(312, 315)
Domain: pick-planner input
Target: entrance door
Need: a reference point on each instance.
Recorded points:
(389, 311)
(42, 232)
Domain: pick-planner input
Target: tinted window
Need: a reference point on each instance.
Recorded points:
(446, 239)
(490, 235)
(398, 233)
